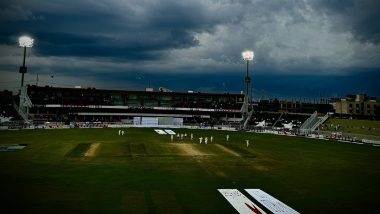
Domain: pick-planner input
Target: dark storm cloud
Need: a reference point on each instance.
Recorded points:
(149, 30)
(118, 39)
(63, 44)
(361, 18)
(87, 29)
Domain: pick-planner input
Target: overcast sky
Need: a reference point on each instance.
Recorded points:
(302, 47)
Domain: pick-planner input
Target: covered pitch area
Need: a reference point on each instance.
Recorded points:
(97, 170)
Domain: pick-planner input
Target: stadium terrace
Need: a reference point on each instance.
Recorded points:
(78, 104)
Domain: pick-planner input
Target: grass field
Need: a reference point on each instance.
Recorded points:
(97, 171)
(368, 129)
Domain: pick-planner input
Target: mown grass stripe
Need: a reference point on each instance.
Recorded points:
(79, 150)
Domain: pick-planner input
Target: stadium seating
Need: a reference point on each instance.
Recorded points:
(74, 103)
(7, 105)
(312, 123)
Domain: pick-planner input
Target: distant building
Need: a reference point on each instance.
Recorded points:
(358, 106)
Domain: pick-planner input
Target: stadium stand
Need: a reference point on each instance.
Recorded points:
(312, 123)
(89, 107)
(78, 104)
(276, 120)
(7, 105)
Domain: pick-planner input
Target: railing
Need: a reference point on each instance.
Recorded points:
(25, 104)
(279, 118)
(20, 112)
(248, 118)
(312, 123)
(320, 122)
(309, 123)
(27, 101)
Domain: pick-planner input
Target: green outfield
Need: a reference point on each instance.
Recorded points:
(97, 171)
(362, 129)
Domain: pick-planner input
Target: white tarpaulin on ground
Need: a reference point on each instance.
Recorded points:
(241, 203)
(11, 147)
(159, 131)
(270, 202)
(169, 131)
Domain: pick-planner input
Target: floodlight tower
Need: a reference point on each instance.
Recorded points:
(25, 103)
(247, 56)
(25, 42)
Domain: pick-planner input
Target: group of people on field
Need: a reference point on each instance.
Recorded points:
(205, 140)
(181, 136)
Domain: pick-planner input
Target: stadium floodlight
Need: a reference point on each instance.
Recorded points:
(248, 55)
(25, 42)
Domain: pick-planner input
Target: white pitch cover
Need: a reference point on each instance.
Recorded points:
(169, 131)
(241, 203)
(270, 202)
(159, 131)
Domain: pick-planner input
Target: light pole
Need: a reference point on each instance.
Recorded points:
(247, 56)
(25, 42)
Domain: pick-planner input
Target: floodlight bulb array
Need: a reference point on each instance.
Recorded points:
(248, 55)
(25, 41)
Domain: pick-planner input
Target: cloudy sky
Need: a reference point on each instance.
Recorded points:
(303, 48)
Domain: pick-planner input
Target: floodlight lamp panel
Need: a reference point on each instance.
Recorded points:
(26, 41)
(248, 55)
